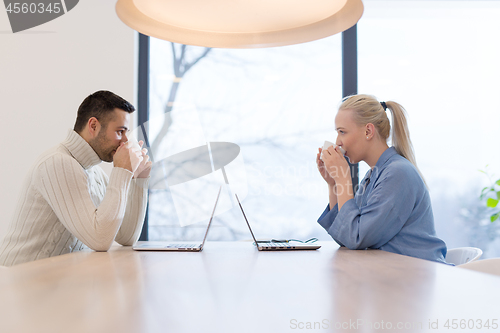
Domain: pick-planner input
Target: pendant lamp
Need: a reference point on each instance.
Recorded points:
(239, 23)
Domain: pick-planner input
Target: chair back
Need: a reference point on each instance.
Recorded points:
(463, 255)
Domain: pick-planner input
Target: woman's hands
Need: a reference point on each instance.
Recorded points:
(322, 169)
(336, 172)
(336, 165)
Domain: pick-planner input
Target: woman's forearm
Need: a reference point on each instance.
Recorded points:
(332, 195)
(344, 192)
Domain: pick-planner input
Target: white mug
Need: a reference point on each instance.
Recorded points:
(133, 143)
(327, 145)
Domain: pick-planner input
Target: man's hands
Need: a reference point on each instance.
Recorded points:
(144, 167)
(133, 159)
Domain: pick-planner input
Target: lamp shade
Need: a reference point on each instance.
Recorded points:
(239, 23)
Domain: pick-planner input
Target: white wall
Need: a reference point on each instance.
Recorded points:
(45, 73)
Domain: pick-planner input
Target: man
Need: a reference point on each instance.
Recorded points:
(68, 203)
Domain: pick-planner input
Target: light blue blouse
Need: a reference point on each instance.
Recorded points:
(391, 211)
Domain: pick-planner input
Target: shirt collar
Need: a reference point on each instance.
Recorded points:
(81, 150)
(386, 155)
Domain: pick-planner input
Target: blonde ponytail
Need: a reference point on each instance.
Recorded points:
(367, 109)
(400, 133)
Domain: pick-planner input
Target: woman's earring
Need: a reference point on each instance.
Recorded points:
(367, 137)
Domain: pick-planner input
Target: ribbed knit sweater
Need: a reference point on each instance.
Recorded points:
(68, 203)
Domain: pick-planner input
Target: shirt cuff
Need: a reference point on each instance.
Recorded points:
(120, 176)
(141, 182)
(340, 230)
(326, 219)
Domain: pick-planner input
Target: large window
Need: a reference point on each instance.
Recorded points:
(277, 105)
(439, 59)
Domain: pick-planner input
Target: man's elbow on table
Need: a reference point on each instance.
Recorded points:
(100, 247)
(128, 242)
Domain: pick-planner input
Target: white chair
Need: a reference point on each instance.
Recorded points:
(463, 255)
(490, 266)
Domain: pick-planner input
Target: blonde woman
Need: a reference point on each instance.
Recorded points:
(391, 209)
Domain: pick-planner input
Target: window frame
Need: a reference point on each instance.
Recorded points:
(349, 87)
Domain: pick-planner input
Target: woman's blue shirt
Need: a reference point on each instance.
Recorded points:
(391, 211)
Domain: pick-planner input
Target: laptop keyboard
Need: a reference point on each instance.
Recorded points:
(184, 246)
(275, 245)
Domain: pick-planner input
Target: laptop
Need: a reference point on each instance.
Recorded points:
(182, 247)
(276, 245)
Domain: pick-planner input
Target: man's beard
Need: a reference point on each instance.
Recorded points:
(104, 151)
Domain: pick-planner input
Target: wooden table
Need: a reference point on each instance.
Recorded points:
(231, 287)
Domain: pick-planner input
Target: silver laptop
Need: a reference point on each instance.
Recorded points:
(183, 247)
(276, 245)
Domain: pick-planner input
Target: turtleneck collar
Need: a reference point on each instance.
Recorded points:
(81, 150)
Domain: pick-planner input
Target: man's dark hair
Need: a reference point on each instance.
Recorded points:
(100, 105)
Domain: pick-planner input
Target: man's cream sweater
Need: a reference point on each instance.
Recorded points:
(68, 202)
